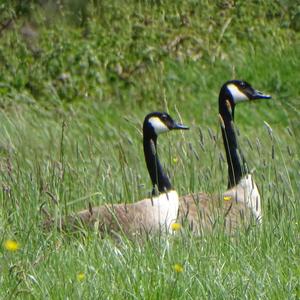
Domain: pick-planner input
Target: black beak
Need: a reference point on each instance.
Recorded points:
(180, 126)
(259, 95)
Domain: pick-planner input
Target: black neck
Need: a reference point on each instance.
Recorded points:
(158, 177)
(237, 166)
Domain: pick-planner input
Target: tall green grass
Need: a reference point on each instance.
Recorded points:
(73, 97)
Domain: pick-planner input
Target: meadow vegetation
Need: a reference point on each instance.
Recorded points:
(77, 79)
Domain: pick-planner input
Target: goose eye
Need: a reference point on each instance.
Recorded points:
(242, 84)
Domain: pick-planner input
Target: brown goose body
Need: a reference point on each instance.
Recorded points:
(237, 208)
(146, 216)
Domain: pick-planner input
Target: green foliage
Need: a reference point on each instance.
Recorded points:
(55, 62)
(77, 78)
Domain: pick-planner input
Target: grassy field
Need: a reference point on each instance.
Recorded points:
(77, 79)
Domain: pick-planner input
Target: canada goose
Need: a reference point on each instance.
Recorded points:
(241, 202)
(152, 214)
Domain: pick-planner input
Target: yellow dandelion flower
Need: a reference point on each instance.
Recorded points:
(176, 226)
(175, 160)
(178, 268)
(11, 245)
(227, 198)
(80, 276)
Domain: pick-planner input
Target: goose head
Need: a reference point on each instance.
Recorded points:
(236, 91)
(156, 123)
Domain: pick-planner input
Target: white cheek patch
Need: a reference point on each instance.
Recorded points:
(158, 125)
(237, 95)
